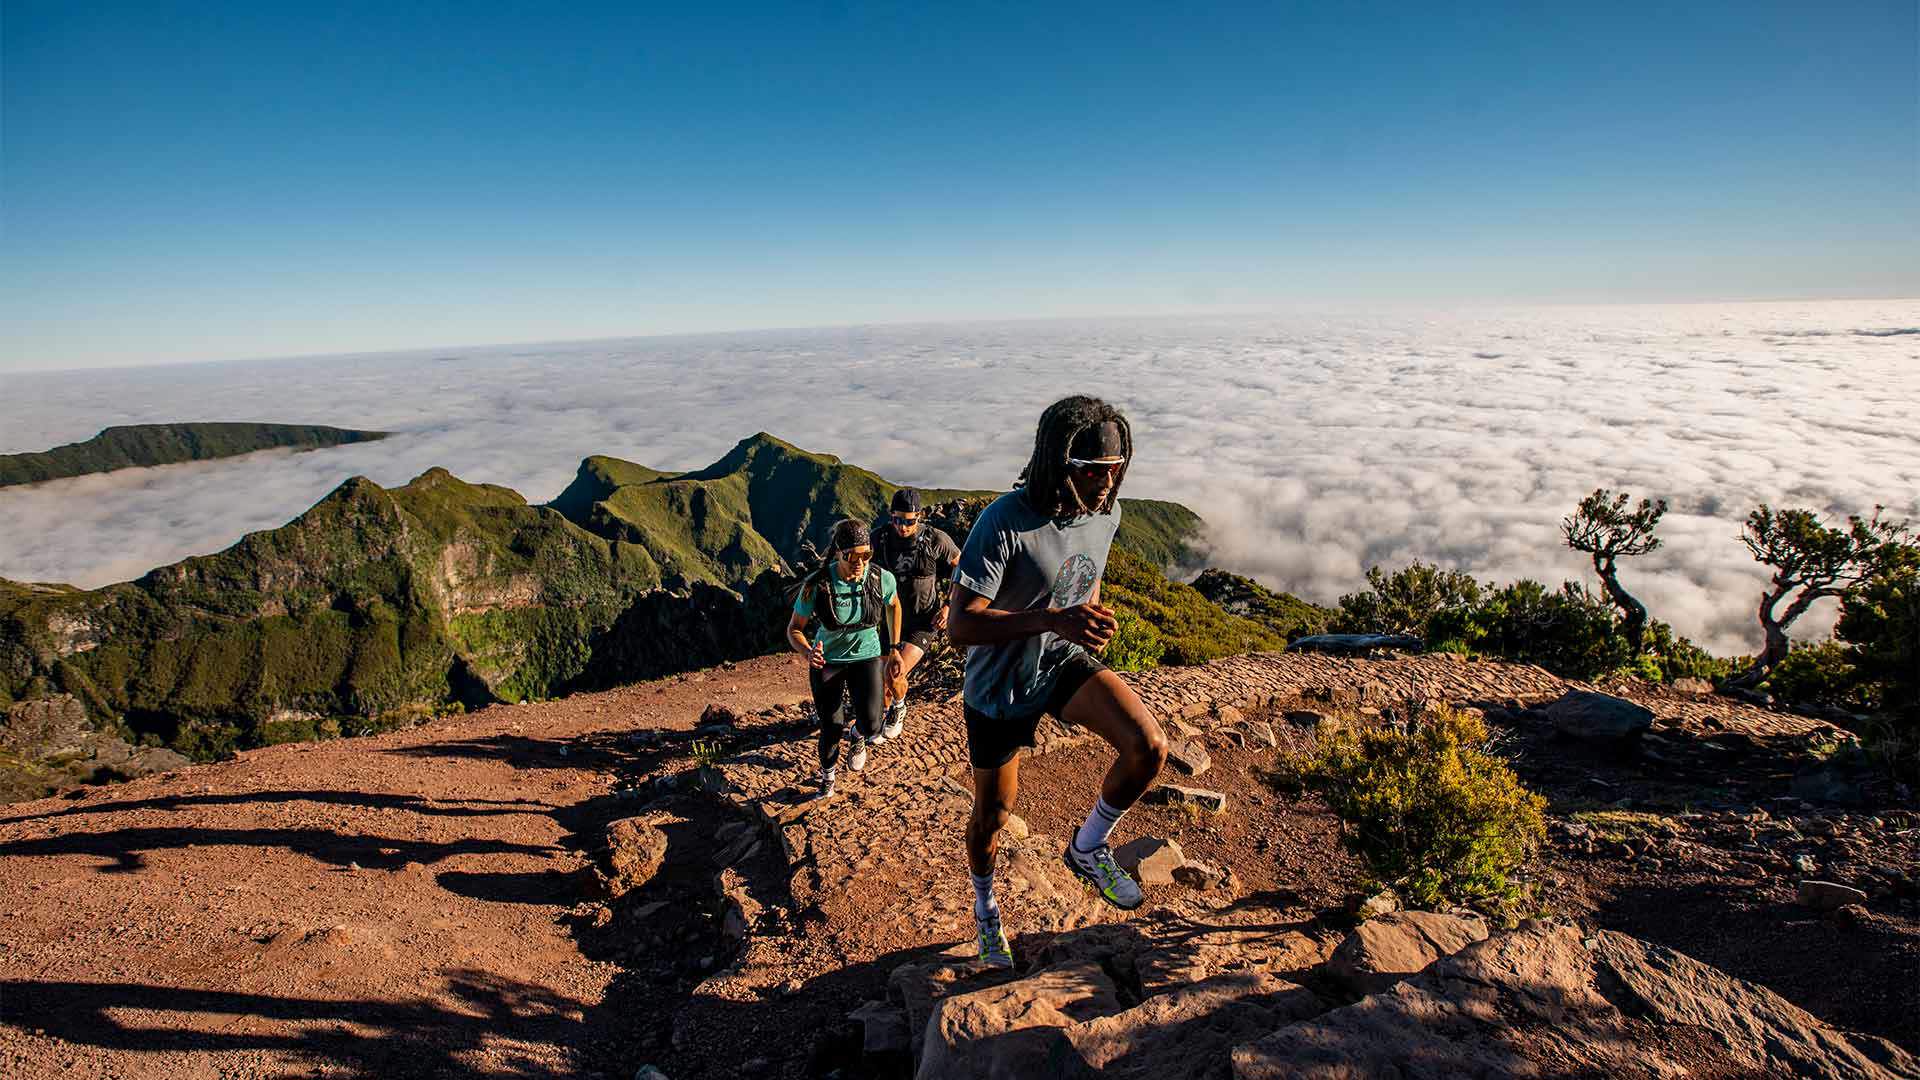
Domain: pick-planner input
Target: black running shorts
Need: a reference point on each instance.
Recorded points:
(992, 743)
(918, 631)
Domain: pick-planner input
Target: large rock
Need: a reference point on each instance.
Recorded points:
(1188, 756)
(44, 727)
(1175, 794)
(1186, 1034)
(1541, 1001)
(1828, 895)
(635, 850)
(1596, 717)
(1150, 859)
(1394, 945)
(1004, 1032)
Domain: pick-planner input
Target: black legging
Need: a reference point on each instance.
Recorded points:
(864, 682)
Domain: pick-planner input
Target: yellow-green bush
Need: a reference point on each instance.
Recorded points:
(1136, 645)
(1433, 816)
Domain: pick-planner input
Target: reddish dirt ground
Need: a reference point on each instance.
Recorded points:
(425, 903)
(391, 906)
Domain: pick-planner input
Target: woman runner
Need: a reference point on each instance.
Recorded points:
(855, 650)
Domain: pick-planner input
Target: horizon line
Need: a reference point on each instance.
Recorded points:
(969, 321)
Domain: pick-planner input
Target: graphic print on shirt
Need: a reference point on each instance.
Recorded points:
(1074, 583)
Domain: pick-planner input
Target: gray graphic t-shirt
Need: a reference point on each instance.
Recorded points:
(1023, 559)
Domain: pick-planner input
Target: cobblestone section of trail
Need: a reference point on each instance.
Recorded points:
(875, 871)
(891, 834)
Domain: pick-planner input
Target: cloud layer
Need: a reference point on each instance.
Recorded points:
(1315, 445)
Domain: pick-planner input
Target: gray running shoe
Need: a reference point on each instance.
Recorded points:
(994, 949)
(826, 783)
(896, 718)
(857, 760)
(1098, 869)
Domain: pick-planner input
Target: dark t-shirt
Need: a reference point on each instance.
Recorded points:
(904, 558)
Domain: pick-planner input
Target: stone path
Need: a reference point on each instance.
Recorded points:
(876, 864)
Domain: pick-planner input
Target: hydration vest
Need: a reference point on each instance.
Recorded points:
(914, 563)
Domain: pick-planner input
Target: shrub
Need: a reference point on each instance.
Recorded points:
(1571, 632)
(1406, 601)
(1432, 814)
(1818, 675)
(1136, 646)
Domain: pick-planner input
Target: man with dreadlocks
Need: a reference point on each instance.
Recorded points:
(856, 648)
(1026, 602)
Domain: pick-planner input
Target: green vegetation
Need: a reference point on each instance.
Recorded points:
(1136, 645)
(1432, 814)
(377, 606)
(1284, 613)
(1571, 631)
(1604, 528)
(167, 444)
(1190, 629)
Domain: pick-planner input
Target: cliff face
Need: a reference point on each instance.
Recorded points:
(378, 604)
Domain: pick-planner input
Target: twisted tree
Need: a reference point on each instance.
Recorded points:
(1604, 528)
(1810, 561)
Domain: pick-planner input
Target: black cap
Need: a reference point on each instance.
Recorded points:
(906, 501)
(1102, 440)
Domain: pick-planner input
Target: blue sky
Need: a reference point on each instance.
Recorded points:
(203, 181)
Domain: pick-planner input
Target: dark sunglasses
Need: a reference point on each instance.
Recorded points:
(907, 519)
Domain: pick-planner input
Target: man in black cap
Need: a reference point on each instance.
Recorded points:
(1026, 602)
(919, 556)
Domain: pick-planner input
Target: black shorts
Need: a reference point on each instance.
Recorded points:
(992, 743)
(918, 631)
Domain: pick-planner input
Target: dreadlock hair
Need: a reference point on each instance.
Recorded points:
(848, 533)
(1044, 480)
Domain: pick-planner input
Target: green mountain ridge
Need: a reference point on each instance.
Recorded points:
(136, 445)
(377, 603)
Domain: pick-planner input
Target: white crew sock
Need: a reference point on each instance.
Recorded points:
(984, 905)
(1099, 826)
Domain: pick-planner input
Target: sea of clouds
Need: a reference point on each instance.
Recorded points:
(1315, 445)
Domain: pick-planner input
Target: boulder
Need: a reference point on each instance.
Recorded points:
(717, 715)
(1199, 875)
(1187, 1032)
(1827, 895)
(1690, 685)
(915, 987)
(1372, 907)
(43, 727)
(1189, 757)
(1545, 1001)
(1150, 859)
(1391, 946)
(1001, 1031)
(1214, 801)
(1597, 717)
(635, 850)
(1260, 733)
(883, 1028)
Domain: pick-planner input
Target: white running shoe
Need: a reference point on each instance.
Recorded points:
(858, 759)
(1098, 869)
(880, 738)
(896, 719)
(994, 949)
(826, 783)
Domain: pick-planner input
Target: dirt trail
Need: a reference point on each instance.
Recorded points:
(429, 902)
(390, 906)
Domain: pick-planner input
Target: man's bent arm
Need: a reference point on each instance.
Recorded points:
(971, 621)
